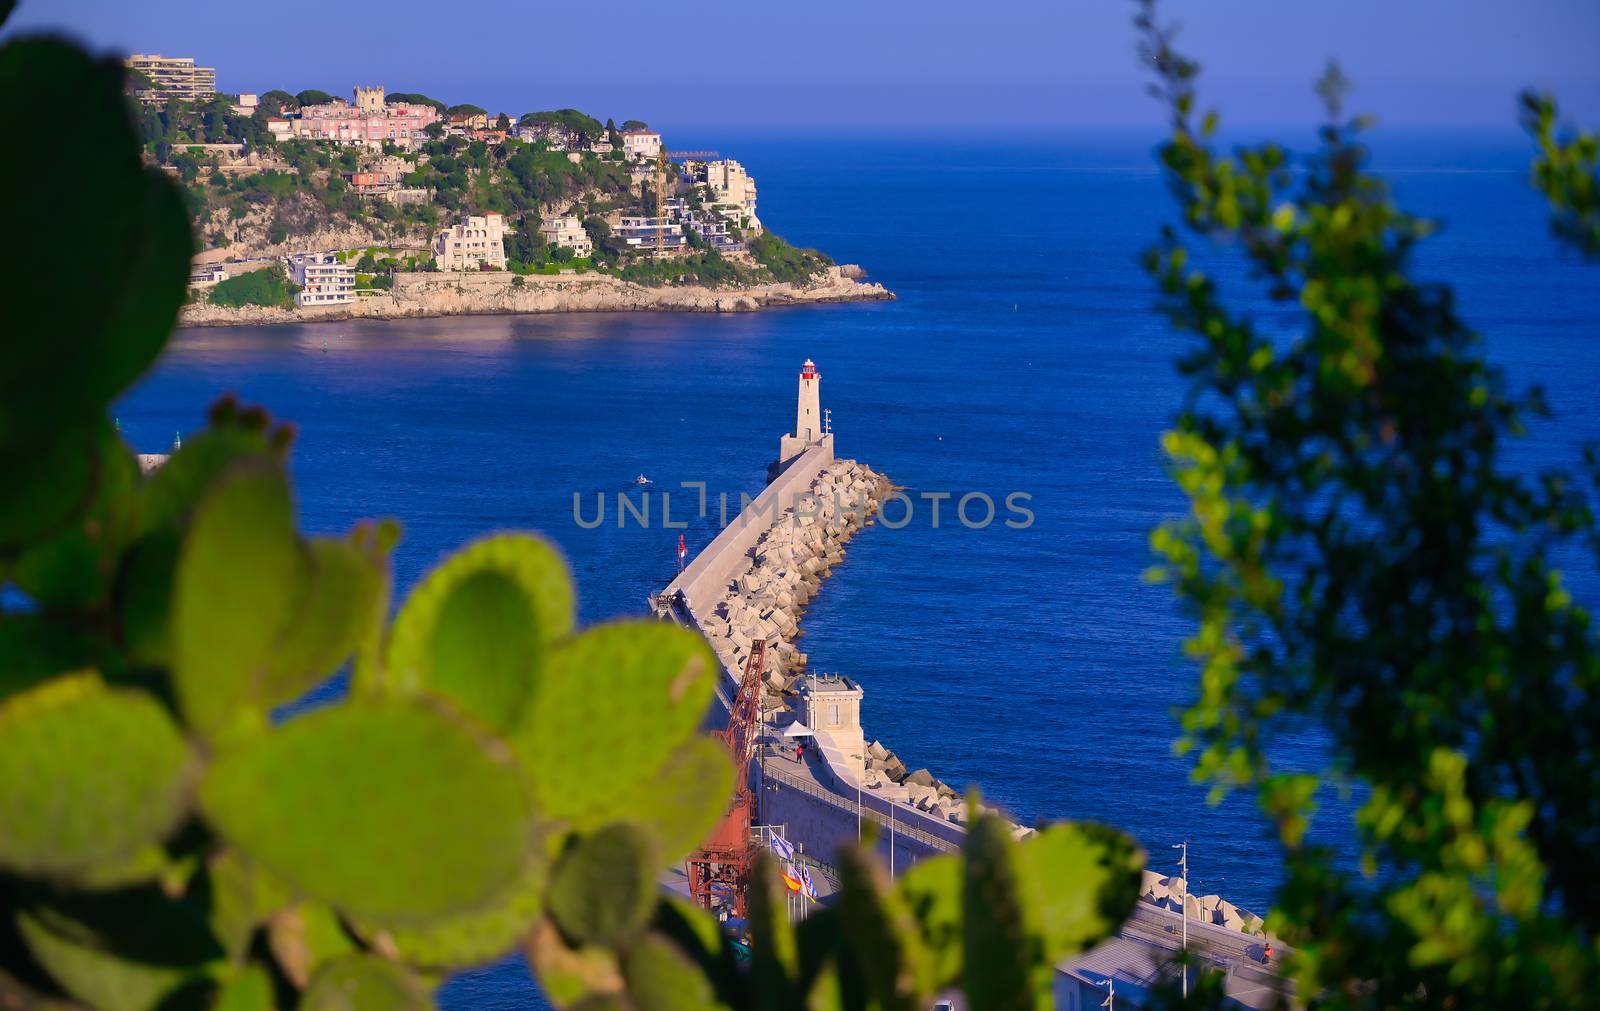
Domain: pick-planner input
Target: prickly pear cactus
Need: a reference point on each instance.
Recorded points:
(494, 779)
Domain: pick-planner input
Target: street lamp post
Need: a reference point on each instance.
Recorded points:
(1183, 862)
(1111, 994)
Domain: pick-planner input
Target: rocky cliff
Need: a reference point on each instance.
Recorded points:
(429, 294)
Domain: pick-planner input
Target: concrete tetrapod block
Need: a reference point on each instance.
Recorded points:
(878, 751)
(922, 777)
(1229, 916)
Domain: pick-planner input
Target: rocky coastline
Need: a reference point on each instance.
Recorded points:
(422, 295)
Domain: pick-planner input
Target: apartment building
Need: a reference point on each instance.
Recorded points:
(173, 77)
(567, 230)
(641, 233)
(323, 278)
(733, 193)
(472, 243)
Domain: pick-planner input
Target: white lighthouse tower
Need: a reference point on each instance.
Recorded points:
(808, 415)
(809, 428)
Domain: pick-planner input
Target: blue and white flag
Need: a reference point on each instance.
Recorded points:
(781, 846)
(806, 887)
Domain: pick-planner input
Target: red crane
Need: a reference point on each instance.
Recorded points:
(720, 868)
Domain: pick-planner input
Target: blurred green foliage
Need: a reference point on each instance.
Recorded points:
(1361, 557)
(171, 837)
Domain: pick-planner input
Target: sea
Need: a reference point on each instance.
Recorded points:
(1023, 356)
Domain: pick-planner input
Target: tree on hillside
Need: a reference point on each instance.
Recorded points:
(311, 96)
(467, 109)
(635, 124)
(502, 122)
(274, 103)
(412, 98)
(1362, 557)
(434, 130)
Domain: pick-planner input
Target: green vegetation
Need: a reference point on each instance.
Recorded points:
(706, 266)
(635, 124)
(312, 96)
(583, 127)
(413, 98)
(786, 262)
(1363, 560)
(268, 286)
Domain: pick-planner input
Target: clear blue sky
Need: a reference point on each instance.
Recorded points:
(869, 62)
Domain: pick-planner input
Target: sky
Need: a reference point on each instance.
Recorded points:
(1003, 64)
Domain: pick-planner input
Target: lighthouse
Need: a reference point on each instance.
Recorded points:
(808, 414)
(810, 424)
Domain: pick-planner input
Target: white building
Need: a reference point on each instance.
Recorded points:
(733, 193)
(471, 244)
(173, 77)
(247, 104)
(567, 230)
(205, 277)
(324, 279)
(641, 143)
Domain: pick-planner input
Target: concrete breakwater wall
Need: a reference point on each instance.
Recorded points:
(769, 585)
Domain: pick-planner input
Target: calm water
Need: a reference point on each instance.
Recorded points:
(1021, 356)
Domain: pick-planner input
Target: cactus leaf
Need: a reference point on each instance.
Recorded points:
(603, 889)
(570, 975)
(100, 979)
(1082, 880)
(932, 891)
(73, 570)
(389, 809)
(243, 895)
(304, 937)
(343, 600)
(240, 573)
(251, 990)
(775, 959)
(34, 647)
(171, 492)
(478, 628)
(362, 982)
(479, 936)
(1005, 968)
(129, 949)
(623, 697)
(685, 799)
(89, 775)
(879, 926)
(661, 977)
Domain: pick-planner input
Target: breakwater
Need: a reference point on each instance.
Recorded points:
(751, 583)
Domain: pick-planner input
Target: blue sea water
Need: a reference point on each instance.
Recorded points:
(1023, 355)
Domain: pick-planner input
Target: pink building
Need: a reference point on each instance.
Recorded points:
(369, 122)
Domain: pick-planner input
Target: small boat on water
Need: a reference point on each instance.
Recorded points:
(641, 479)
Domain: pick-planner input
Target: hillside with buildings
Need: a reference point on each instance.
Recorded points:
(391, 183)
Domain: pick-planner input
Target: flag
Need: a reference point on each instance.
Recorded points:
(790, 879)
(782, 847)
(806, 887)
